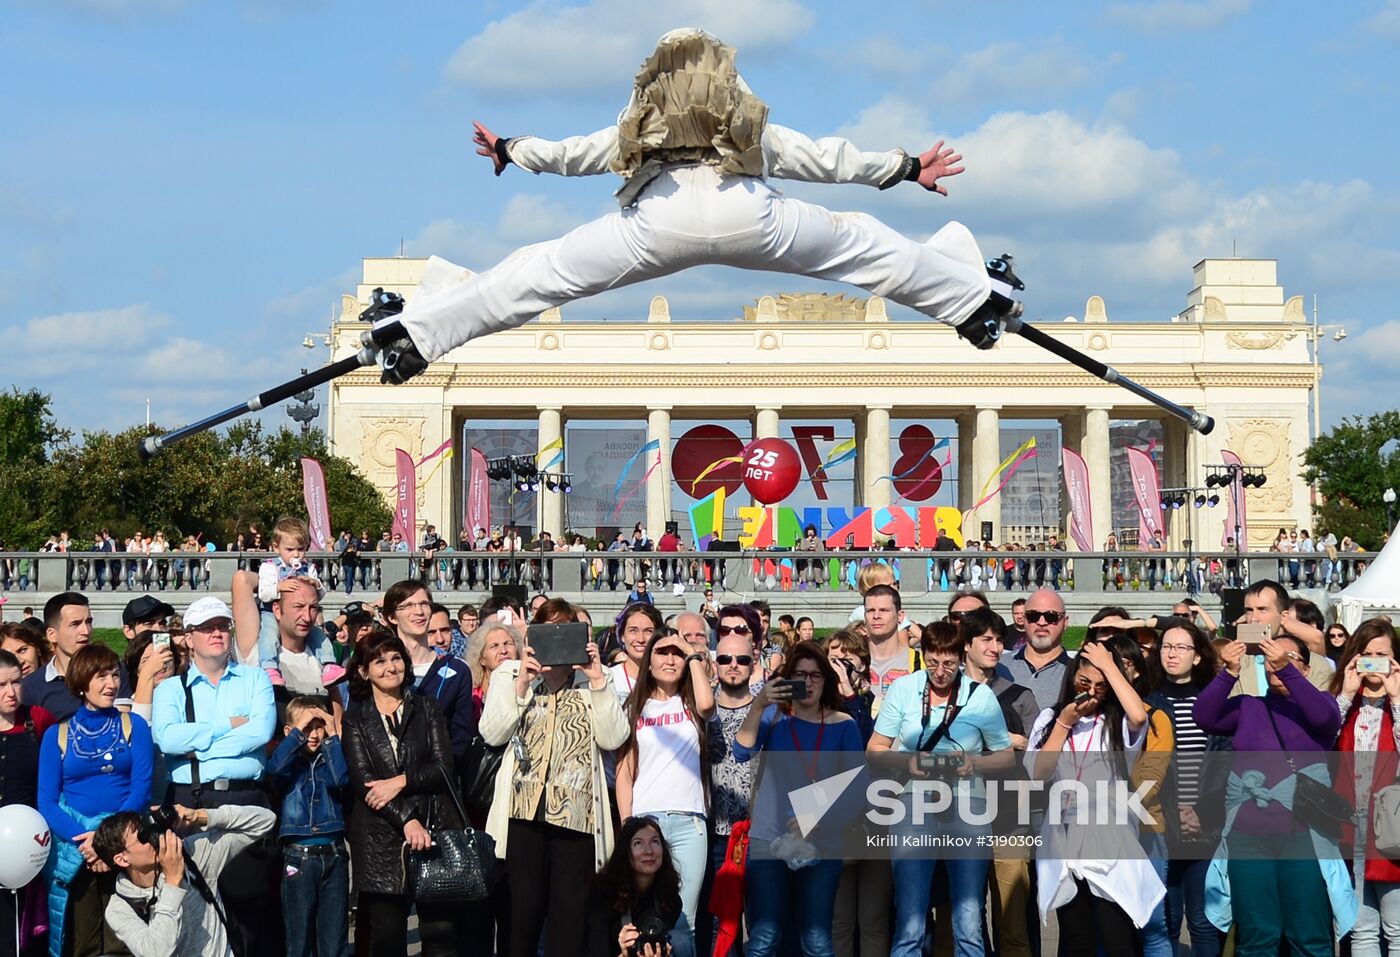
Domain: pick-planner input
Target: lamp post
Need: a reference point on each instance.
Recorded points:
(303, 411)
(1389, 499)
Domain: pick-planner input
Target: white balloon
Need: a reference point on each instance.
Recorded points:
(25, 842)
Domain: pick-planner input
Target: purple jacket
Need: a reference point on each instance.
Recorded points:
(1307, 721)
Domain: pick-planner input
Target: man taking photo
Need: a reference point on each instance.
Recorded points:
(164, 907)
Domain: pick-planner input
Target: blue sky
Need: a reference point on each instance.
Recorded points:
(190, 186)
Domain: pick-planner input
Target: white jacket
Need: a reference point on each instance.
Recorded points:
(499, 719)
(787, 154)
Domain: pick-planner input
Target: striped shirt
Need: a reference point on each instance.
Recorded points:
(1191, 741)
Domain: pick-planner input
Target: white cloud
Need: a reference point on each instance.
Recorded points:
(1161, 16)
(554, 50)
(1386, 21)
(1012, 69)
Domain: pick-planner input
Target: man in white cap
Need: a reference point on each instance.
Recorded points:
(213, 724)
(695, 150)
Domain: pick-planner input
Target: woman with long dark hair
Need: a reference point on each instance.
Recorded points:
(663, 771)
(1369, 702)
(799, 714)
(1189, 662)
(399, 754)
(638, 892)
(1095, 878)
(1335, 641)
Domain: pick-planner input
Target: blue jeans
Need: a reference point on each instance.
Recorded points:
(774, 888)
(1156, 942)
(913, 885)
(1186, 896)
(685, 835)
(316, 899)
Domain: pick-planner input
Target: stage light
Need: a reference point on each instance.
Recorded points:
(1200, 501)
(1213, 501)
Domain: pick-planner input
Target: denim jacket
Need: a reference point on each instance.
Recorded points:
(312, 786)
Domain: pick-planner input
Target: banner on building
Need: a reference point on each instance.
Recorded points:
(1081, 510)
(1146, 493)
(478, 495)
(318, 512)
(405, 497)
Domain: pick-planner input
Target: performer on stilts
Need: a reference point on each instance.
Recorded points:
(695, 150)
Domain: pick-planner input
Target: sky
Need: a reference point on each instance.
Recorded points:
(190, 185)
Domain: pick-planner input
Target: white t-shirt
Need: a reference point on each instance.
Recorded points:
(301, 672)
(668, 760)
(622, 682)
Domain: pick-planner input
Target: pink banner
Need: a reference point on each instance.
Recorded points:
(1081, 512)
(478, 511)
(406, 497)
(318, 512)
(1229, 492)
(1147, 493)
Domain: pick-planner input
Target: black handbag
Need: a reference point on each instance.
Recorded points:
(484, 761)
(1315, 804)
(460, 866)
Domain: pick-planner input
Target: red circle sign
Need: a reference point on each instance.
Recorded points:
(771, 470)
(707, 447)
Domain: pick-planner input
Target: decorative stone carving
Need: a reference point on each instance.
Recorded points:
(349, 309)
(1265, 443)
(552, 315)
(658, 342)
(1095, 310)
(768, 342)
(659, 310)
(549, 341)
(877, 340)
(875, 310)
(1214, 310)
(379, 437)
(1098, 342)
(1293, 310)
(808, 307)
(1256, 341)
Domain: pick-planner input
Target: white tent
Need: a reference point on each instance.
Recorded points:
(1378, 587)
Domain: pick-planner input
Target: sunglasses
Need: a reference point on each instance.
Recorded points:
(742, 660)
(954, 616)
(733, 630)
(1049, 617)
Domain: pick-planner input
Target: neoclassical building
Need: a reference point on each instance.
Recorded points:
(1239, 350)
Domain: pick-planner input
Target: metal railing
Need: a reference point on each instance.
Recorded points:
(755, 569)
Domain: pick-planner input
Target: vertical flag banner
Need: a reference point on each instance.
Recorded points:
(318, 512)
(1147, 493)
(707, 517)
(1228, 493)
(1081, 511)
(405, 497)
(478, 495)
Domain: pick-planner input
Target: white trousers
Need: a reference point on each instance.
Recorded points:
(693, 216)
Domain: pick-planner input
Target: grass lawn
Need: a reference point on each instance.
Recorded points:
(113, 638)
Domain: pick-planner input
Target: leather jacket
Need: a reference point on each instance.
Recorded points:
(424, 757)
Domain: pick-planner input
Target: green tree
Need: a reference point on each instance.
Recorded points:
(1353, 465)
(29, 435)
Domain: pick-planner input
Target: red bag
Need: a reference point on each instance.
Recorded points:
(727, 890)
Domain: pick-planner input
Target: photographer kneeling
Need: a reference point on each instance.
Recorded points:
(636, 903)
(165, 903)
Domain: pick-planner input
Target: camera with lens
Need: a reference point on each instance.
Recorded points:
(156, 822)
(943, 764)
(653, 932)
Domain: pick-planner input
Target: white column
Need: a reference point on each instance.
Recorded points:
(875, 458)
(765, 423)
(551, 504)
(659, 482)
(966, 491)
(1096, 457)
(1174, 472)
(986, 456)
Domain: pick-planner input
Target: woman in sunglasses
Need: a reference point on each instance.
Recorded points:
(662, 770)
(1336, 638)
(1094, 877)
(799, 716)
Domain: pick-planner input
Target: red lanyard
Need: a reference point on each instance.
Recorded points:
(626, 676)
(1078, 761)
(797, 745)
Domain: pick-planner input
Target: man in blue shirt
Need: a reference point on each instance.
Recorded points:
(214, 724)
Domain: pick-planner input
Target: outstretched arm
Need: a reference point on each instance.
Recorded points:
(575, 156)
(794, 155)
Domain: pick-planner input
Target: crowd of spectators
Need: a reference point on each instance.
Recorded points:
(263, 801)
